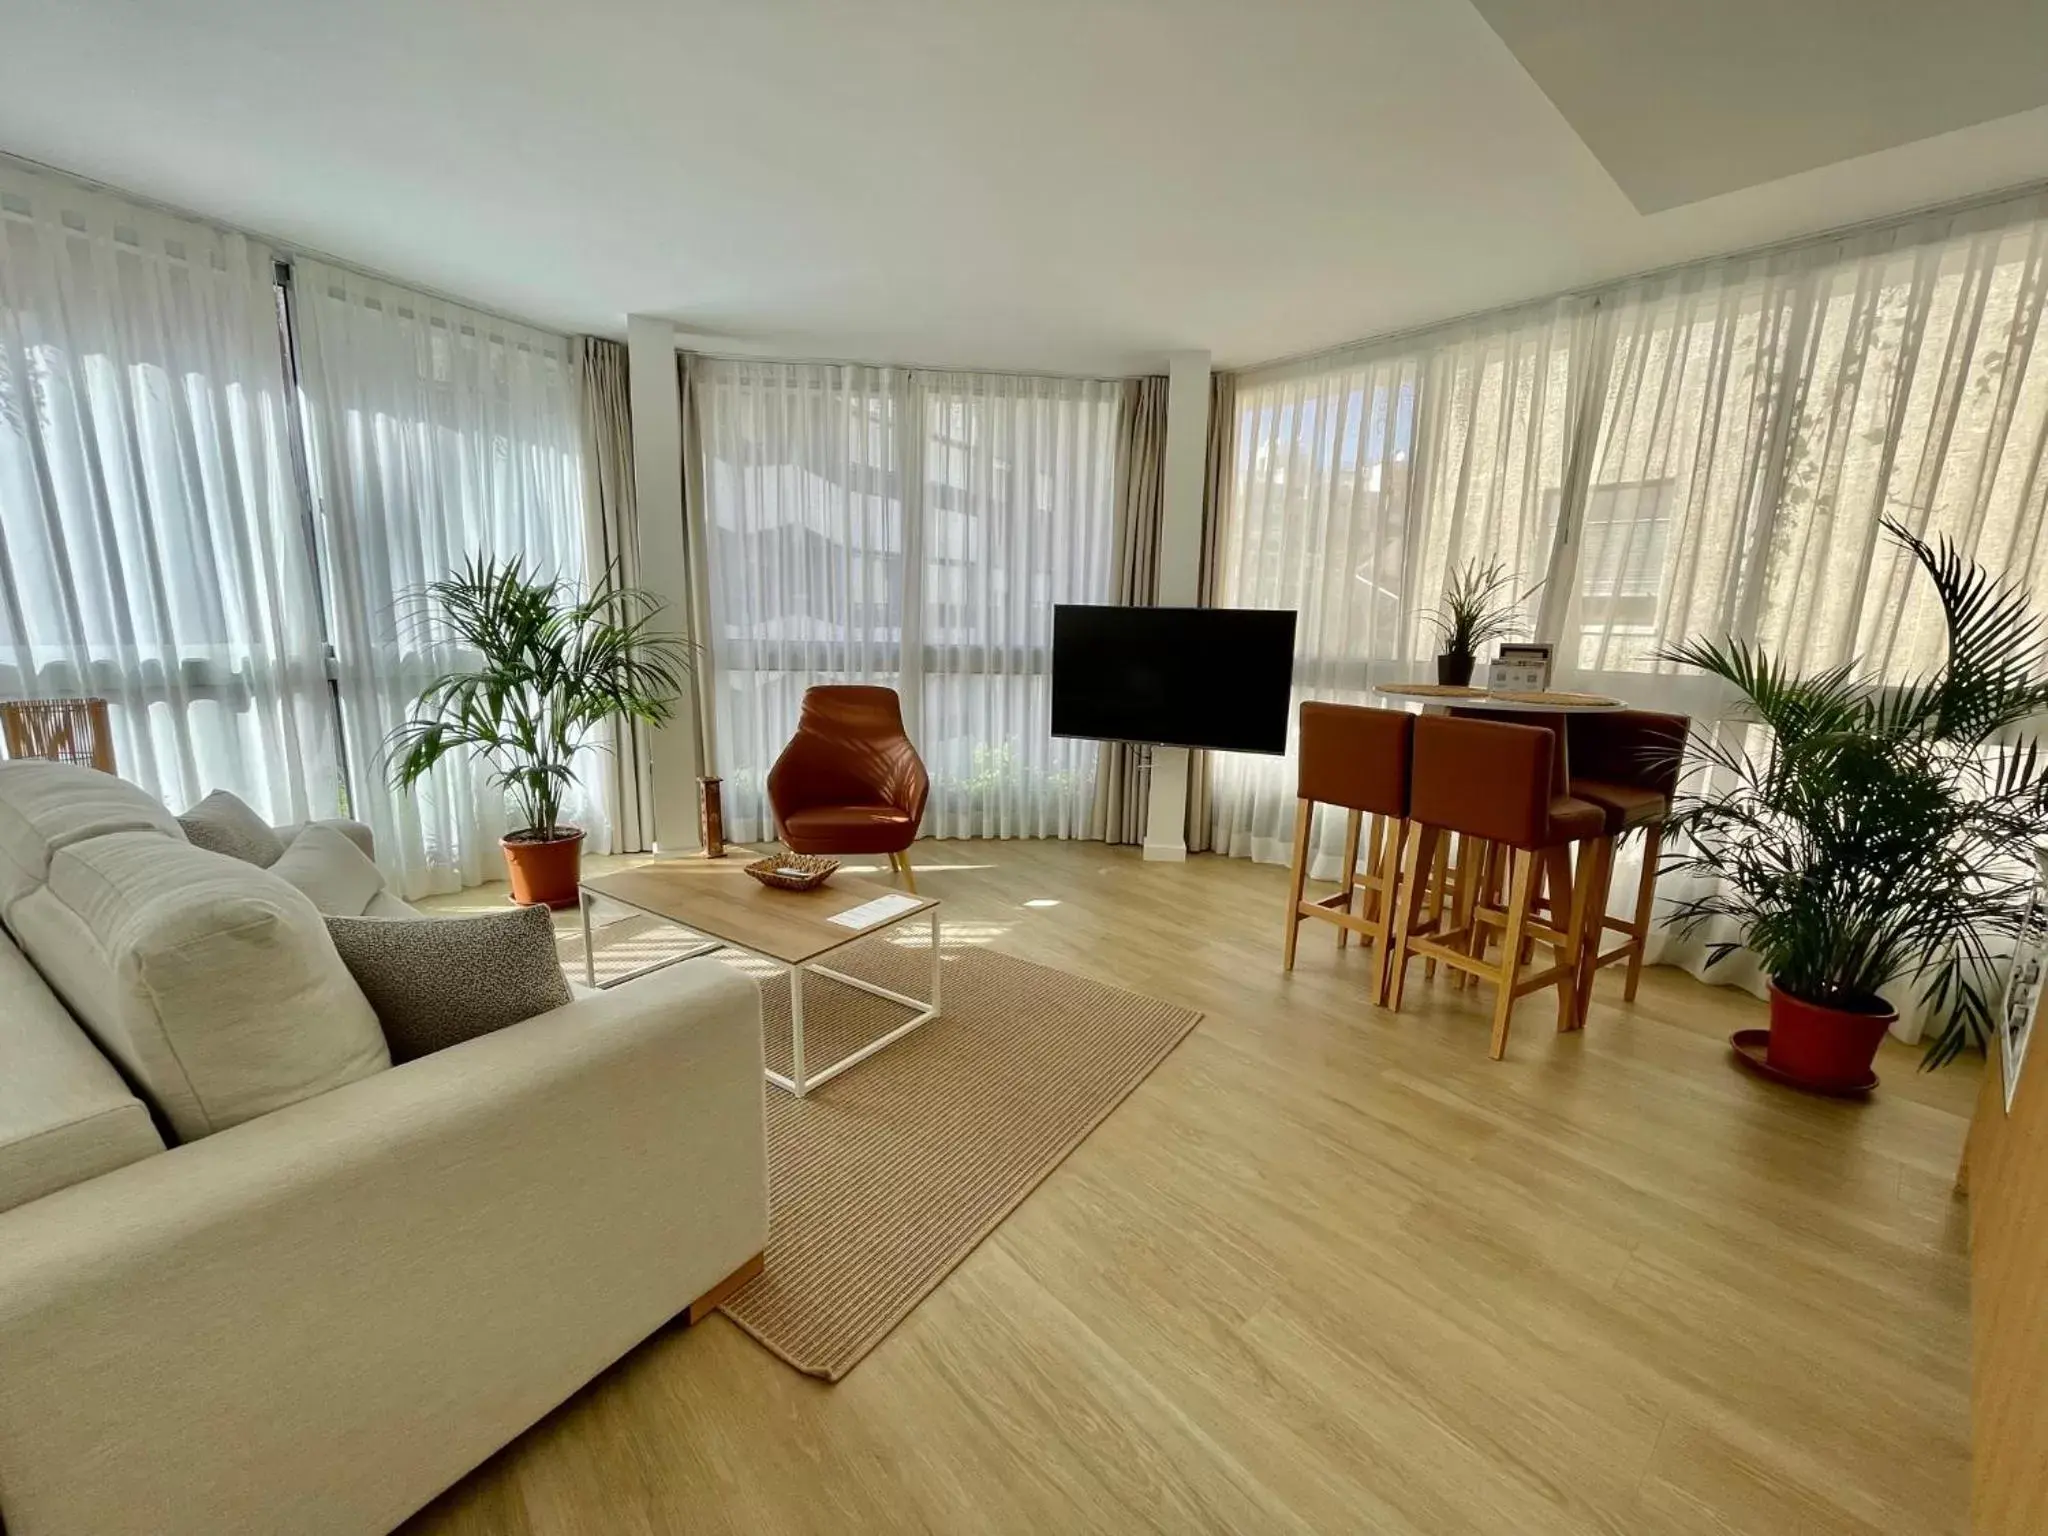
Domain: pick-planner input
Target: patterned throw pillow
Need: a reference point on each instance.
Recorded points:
(437, 981)
(221, 823)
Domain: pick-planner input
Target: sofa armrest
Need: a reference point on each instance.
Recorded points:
(317, 1320)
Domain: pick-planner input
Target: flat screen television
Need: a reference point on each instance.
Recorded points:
(1218, 678)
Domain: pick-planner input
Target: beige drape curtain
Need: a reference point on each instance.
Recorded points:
(1118, 815)
(696, 549)
(612, 538)
(1215, 494)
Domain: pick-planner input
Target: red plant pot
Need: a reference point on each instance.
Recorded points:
(1826, 1048)
(544, 873)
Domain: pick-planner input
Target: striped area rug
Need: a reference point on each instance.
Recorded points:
(883, 1179)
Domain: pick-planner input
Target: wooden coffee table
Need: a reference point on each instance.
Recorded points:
(729, 909)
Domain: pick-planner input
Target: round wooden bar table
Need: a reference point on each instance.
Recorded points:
(1507, 702)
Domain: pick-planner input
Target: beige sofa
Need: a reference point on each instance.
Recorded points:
(317, 1318)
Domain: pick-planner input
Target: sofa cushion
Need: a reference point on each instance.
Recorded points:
(222, 823)
(438, 981)
(65, 1114)
(47, 806)
(210, 982)
(354, 831)
(324, 864)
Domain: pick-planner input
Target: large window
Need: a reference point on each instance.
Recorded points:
(912, 529)
(435, 434)
(161, 547)
(153, 547)
(1358, 488)
(1703, 453)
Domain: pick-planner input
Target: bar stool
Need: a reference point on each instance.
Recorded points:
(1626, 762)
(1357, 758)
(1479, 872)
(1491, 782)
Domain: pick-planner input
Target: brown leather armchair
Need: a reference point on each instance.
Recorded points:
(850, 781)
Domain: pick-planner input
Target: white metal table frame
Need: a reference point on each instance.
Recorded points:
(797, 1081)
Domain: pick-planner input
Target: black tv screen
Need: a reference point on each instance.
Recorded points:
(1179, 677)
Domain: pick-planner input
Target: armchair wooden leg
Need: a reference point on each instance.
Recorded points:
(1646, 897)
(1304, 818)
(900, 862)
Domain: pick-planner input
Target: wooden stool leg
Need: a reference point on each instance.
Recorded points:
(1388, 864)
(1347, 878)
(1646, 898)
(1422, 844)
(1492, 894)
(1374, 900)
(1304, 817)
(1597, 865)
(1465, 896)
(1521, 893)
(1439, 883)
(1564, 888)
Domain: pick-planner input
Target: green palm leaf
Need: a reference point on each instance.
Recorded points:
(546, 666)
(1882, 836)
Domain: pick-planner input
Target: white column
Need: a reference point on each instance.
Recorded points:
(1180, 573)
(664, 561)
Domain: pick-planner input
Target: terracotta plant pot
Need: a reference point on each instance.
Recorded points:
(544, 874)
(1826, 1048)
(1454, 671)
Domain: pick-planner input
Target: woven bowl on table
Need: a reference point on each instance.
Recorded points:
(793, 871)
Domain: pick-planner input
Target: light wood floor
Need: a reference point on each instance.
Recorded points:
(1330, 1269)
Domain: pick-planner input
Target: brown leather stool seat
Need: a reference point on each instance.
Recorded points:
(1492, 782)
(1356, 758)
(1627, 806)
(1626, 761)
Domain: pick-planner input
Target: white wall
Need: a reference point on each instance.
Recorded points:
(676, 753)
(1180, 573)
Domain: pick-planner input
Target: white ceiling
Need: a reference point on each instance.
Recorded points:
(1074, 185)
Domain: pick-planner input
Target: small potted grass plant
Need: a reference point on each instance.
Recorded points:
(1479, 606)
(547, 665)
(1880, 834)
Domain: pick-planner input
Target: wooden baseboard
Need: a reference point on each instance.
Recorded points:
(717, 1296)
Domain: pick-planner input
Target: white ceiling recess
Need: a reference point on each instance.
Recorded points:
(1683, 100)
(1067, 185)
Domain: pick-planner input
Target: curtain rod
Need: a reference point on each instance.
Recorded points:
(855, 362)
(283, 250)
(1956, 207)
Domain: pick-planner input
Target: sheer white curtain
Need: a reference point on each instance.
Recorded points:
(1761, 416)
(1358, 487)
(153, 545)
(913, 529)
(1721, 442)
(434, 433)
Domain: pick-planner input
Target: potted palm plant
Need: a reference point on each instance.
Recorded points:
(1880, 834)
(547, 665)
(1479, 605)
